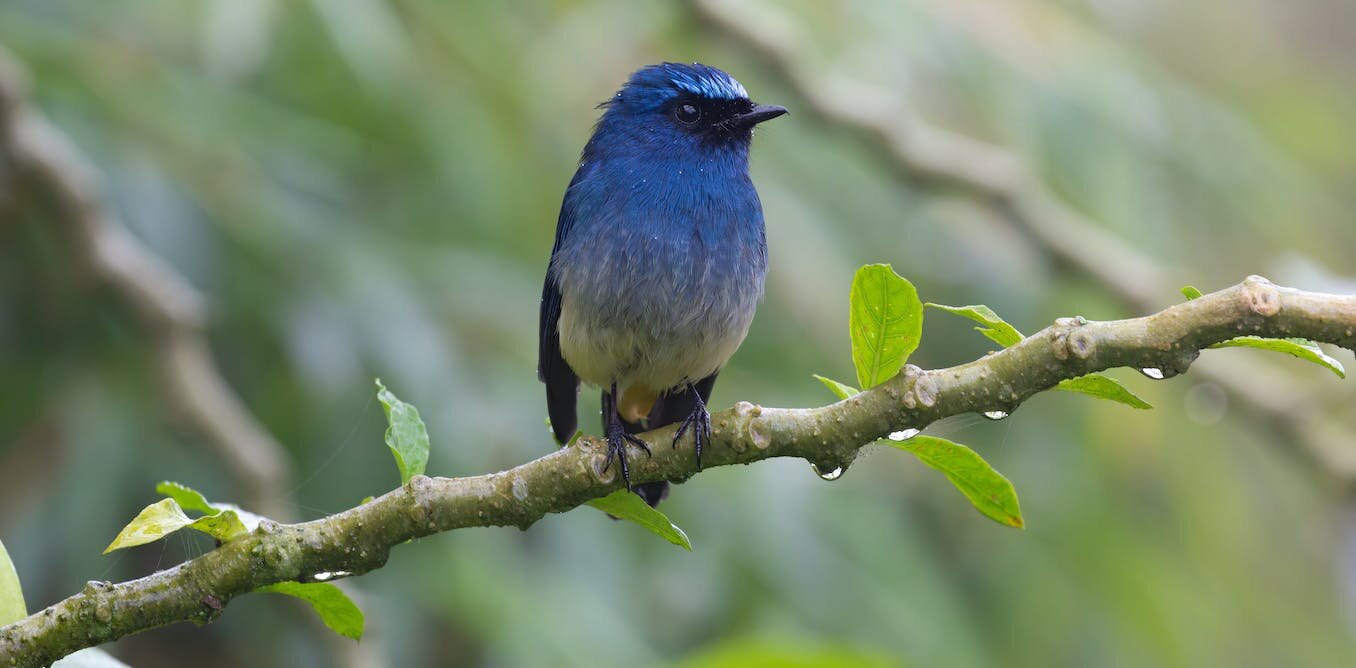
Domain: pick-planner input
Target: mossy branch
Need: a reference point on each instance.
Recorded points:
(358, 540)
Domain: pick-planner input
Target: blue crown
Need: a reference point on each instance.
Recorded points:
(696, 78)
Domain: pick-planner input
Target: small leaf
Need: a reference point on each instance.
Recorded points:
(12, 607)
(625, 505)
(994, 327)
(91, 657)
(839, 389)
(335, 608)
(1103, 387)
(223, 521)
(405, 434)
(1301, 348)
(886, 323)
(223, 525)
(991, 493)
(187, 497)
(154, 522)
(247, 519)
(1190, 292)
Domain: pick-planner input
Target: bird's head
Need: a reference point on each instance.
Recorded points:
(678, 103)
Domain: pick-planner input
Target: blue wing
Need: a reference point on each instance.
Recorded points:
(562, 385)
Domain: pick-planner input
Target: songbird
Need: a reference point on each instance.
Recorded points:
(659, 259)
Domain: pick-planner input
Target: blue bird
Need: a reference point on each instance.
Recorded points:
(659, 259)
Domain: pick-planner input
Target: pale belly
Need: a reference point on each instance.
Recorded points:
(652, 312)
(645, 346)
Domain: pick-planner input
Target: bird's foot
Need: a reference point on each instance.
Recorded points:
(699, 420)
(617, 438)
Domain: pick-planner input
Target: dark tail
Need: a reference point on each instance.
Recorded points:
(668, 409)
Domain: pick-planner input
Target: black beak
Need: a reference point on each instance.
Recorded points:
(760, 113)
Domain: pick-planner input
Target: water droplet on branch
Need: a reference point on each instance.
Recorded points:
(330, 575)
(995, 415)
(902, 435)
(1156, 374)
(828, 473)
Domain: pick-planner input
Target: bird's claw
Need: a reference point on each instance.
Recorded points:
(700, 422)
(617, 438)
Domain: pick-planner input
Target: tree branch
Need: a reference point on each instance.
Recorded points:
(358, 540)
(946, 162)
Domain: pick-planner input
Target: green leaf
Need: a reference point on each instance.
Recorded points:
(223, 525)
(223, 521)
(91, 657)
(1190, 292)
(335, 608)
(886, 323)
(405, 434)
(991, 493)
(625, 505)
(1301, 348)
(154, 522)
(785, 652)
(1103, 387)
(187, 497)
(839, 389)
(247, 519)
(12, 607)
(993, 327)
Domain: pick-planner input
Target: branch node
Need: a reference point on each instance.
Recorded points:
(1261, 296)
(1081, 344)
(103, 611)
(93, 587)
(419, 484)
(925, 388)
(212, 607)
(1059, 342)
(759, 435)
(421, 500)
(605, 474)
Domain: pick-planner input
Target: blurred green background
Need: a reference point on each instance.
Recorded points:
(365, 188)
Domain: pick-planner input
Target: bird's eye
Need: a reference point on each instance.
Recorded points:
(687, 113)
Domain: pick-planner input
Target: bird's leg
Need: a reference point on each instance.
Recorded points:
(700, 421)
(617, 438)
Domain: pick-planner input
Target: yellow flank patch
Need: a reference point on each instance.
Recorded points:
(636, 402)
